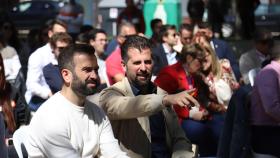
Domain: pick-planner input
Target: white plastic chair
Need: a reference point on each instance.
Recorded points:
(19, 138)
(252, 75)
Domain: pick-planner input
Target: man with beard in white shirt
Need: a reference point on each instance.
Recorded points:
(67, 124)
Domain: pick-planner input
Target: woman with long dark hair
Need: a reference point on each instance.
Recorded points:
(6, 103)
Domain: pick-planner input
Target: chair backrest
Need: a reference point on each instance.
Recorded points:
(252, 75)
(19, 138)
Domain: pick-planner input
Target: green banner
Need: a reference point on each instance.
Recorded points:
(167, 10)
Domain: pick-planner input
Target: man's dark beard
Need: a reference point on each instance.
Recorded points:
(142, 86)
(81, 88)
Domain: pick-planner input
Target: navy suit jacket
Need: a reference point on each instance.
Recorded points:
(224, 51)
(160, 59)
(53, 77)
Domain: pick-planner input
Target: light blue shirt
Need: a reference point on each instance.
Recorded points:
(170, 55)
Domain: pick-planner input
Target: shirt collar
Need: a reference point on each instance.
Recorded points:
(167, 49)
(261, 56)
(136, 91)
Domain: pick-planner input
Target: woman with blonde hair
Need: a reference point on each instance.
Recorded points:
(218, 75)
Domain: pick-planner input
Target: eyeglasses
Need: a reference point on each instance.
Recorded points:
(175, 34)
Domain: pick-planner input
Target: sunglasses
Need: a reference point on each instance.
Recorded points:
(175, 35)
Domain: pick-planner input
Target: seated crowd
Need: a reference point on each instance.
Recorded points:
(134, 96)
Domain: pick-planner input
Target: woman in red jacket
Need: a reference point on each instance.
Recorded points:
(200, 126)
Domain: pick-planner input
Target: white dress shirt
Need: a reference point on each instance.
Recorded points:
(35, 82)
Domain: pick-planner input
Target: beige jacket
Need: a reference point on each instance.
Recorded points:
(129, 117)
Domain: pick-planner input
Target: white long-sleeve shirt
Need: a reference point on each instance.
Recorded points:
(35, 82)
(11, 62)
(60, 129)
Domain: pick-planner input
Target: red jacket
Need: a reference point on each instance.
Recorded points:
(174, 79)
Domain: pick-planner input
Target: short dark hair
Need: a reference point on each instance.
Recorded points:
(50, 24)
(194, 50)
(65, 58)
(82, 38)
(154, 22)
(86, 28)
(60, 36)
(92, 34)
(205, 25)
(262, 35)
(123, 24)
(188, 27)
(134, 41)
(164, 30)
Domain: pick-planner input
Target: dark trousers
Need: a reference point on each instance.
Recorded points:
(35, 103)
(266, 140)
(205, 134)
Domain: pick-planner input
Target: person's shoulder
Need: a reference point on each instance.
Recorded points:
(53, 102)
(272, 67)
(158, 47)
(172, 69)
(11, 49)
(118, 87)
(39, 53)
(115, 55)
(48, 66)
(50, 112)
(248, 53)
(94, 108)
(95, 112)
(8, 52)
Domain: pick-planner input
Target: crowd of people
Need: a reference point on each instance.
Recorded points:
(79, 95)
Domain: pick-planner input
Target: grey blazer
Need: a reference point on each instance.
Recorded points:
(248, 61)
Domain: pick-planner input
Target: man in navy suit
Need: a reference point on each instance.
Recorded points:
(164, 54)
(51, 71)
(221, 48)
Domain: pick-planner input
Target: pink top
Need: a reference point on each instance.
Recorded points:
(113, 65)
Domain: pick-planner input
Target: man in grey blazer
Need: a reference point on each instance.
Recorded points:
(141, 114)
(256, 56)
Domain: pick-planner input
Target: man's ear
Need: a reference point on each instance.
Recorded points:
(164, 38)
(67, 76)
(91, 42)
(123, 65)
(50, 33)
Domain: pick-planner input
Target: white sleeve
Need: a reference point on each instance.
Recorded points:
(109, 147)
(35, 82)
(12, 66)
(223, 92)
